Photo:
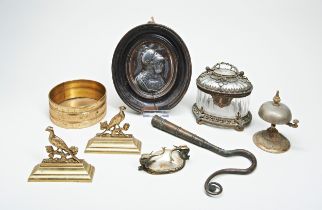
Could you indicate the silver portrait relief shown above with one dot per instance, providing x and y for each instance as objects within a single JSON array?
[{"x": 152, "y": 68}]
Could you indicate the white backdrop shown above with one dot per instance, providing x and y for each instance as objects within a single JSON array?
[{"x": 276, "y": 43}]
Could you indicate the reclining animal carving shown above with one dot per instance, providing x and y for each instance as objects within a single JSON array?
[{"x": 165, "y": 160}]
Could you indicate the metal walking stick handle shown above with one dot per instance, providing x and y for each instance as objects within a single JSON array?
[{"x": 211, "y": 188}]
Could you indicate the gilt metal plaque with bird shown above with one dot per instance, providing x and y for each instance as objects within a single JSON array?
[
  {"x": 113, "y": 140},
  {"x": 62, "y": 165}
]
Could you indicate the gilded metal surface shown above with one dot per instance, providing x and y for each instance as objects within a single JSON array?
[
  {"x": 294, "y": 124},
  {"x": 165, "y": 161},
  {"x": 211, "y": 188},
  {"x": 271, "y": 140},
  {"x": 113, "y": 140},
  {"x": 276, "y": 113},
  {"x": 62, "y": 165},
  {"x": 221, "y": 100},
  {"x": 239, "y": 123},
  {"x": 77, "y": 103},
  {"x": 62, "y": 172}
]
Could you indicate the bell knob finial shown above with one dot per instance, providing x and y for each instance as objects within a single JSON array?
[{"x": 277, "y": 98}]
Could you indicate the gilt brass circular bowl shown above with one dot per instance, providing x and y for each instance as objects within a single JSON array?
[{"x": 77, "y": 103}]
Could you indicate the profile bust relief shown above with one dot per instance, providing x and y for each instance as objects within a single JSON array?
[{"x": 150, "y": 69}]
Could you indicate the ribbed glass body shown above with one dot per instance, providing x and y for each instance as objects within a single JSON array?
[{"x": 206, "y": 101}]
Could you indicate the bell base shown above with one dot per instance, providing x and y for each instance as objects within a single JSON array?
[
  {"x": 62, "y": 172},
  {"x": 204, "y": 118},
  {"x": 271, "y": 142},
  {"x": 113, "y": 145}
]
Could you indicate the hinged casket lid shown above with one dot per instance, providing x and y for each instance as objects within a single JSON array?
[{"x": 224, "y": 79}]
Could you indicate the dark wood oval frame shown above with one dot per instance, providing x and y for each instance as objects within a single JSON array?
[{"x": 151, "y": 31}]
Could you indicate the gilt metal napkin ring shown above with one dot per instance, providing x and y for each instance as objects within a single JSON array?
[{"x": 77, "y": 103}]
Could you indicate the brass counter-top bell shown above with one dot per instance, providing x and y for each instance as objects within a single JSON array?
[{"x": 276, "y": 113}]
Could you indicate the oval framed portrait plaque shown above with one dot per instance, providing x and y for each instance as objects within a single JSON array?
[{"x": 151, "y": 68}]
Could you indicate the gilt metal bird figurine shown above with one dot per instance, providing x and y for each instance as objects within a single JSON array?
[
  {"x": 59, "y": 143},
  {"x": 115, "y": 121}
]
